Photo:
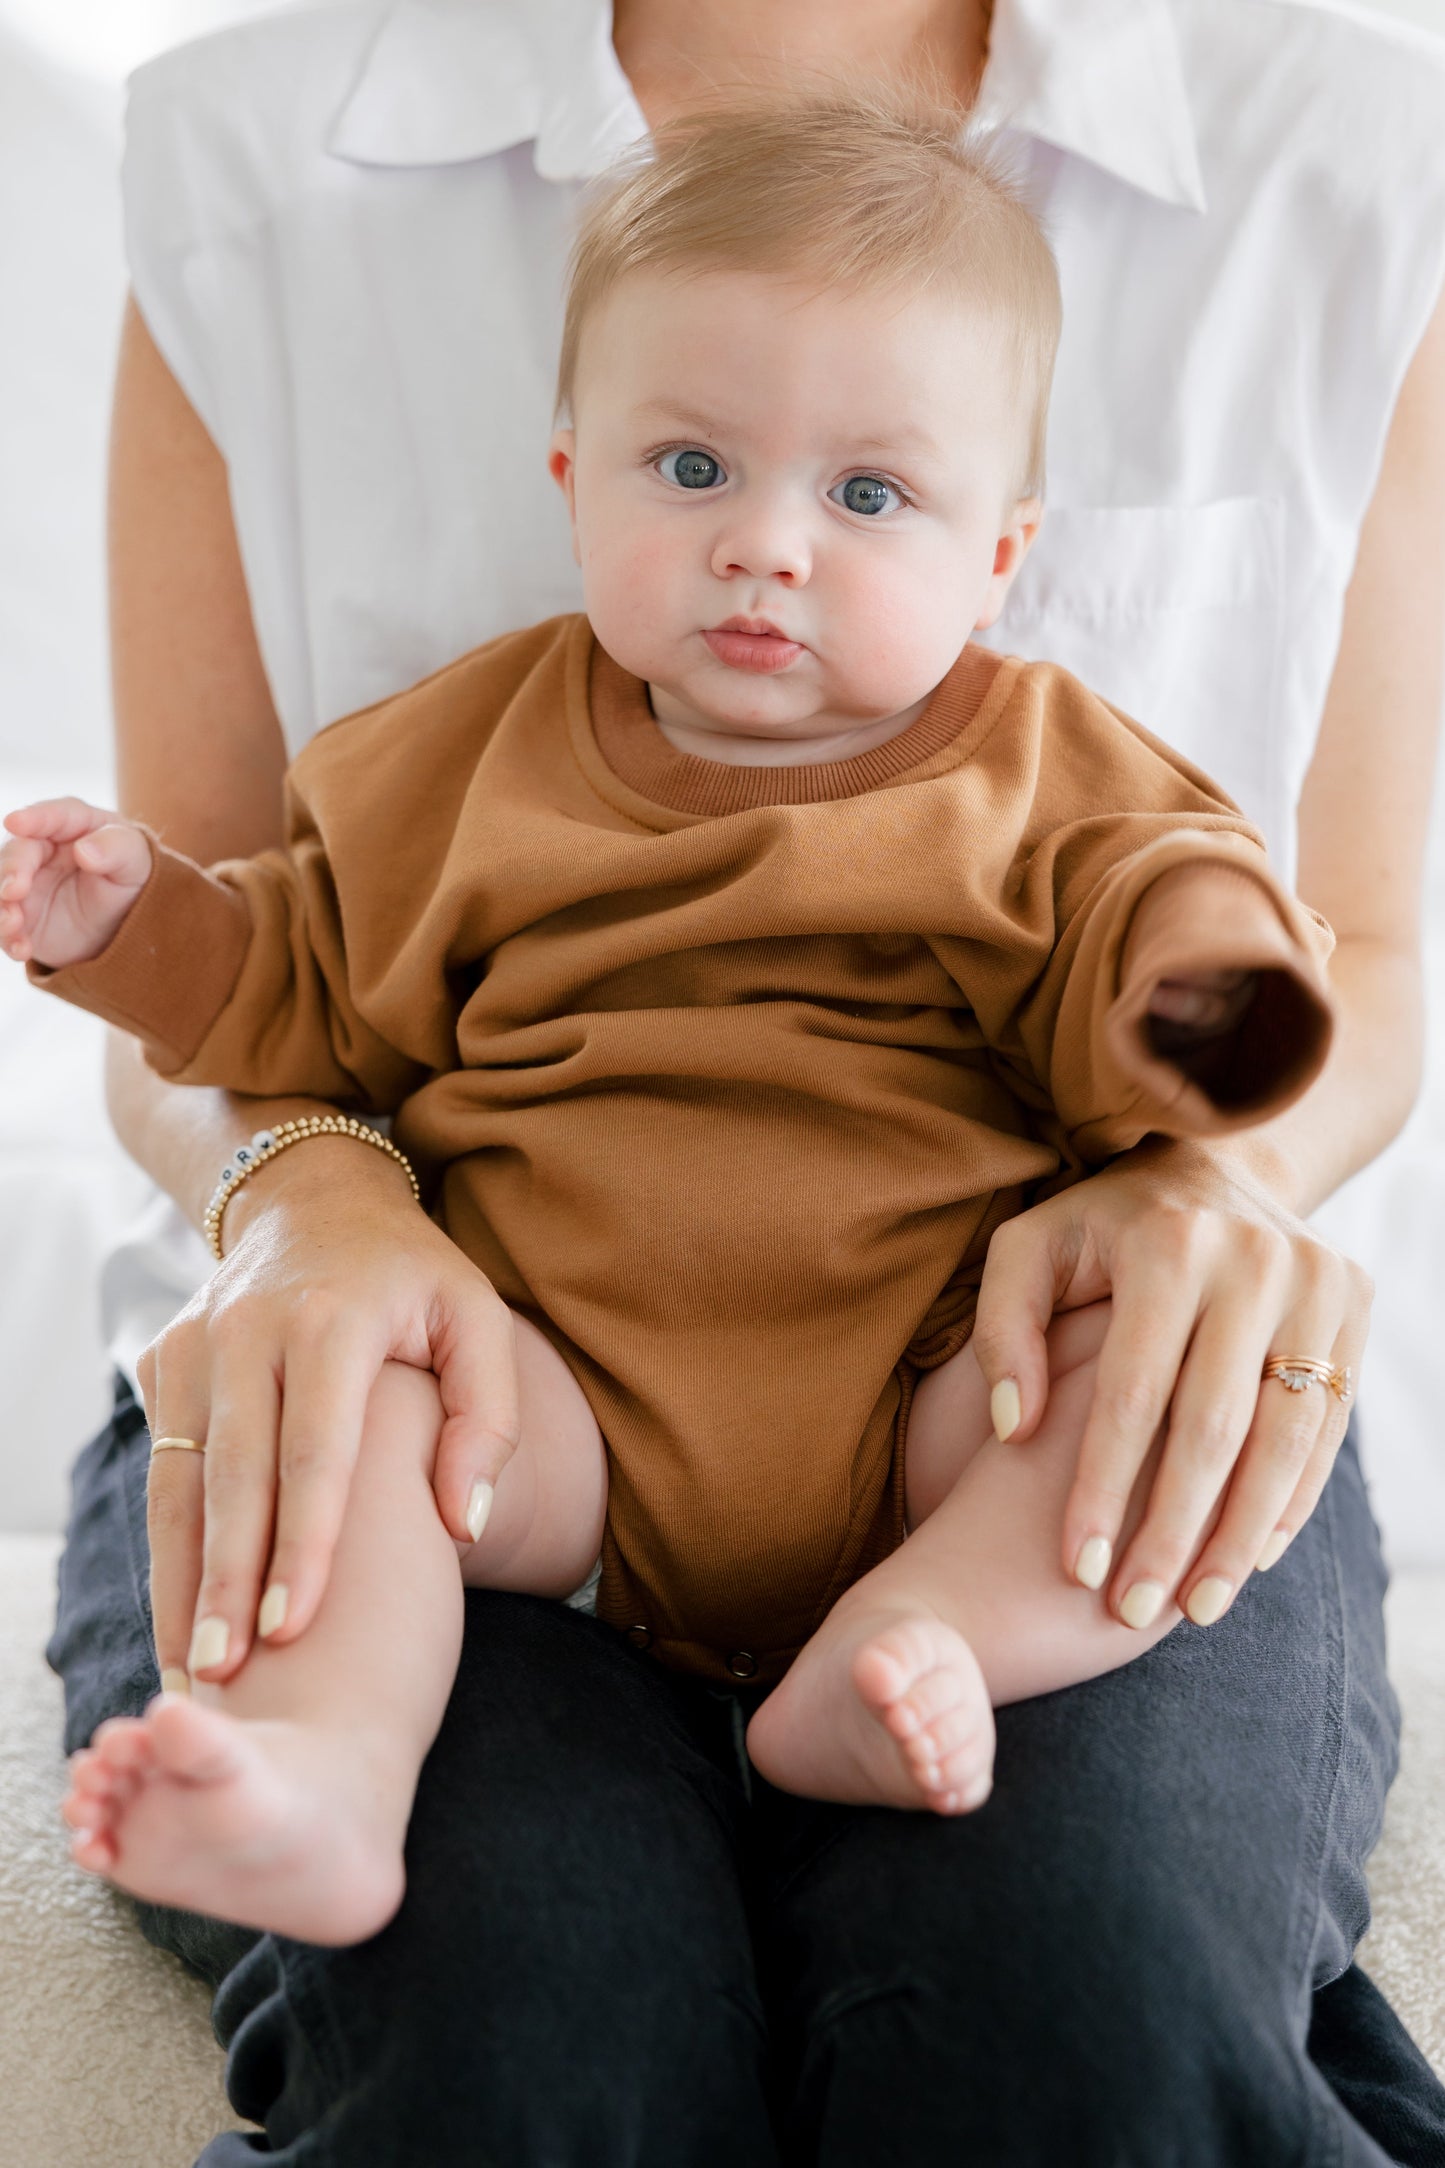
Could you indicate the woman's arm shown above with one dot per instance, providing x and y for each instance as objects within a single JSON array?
[
  {"x": 1208, "y": 1265},
  {"x": 330, "y": 1270}
]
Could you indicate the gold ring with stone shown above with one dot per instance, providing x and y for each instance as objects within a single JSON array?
[
  {"x": 177, "y": 1445},
  {"x": 1298, "y": 1372}
]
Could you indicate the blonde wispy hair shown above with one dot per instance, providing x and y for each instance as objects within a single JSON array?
[{"x": 827, "y": 189}]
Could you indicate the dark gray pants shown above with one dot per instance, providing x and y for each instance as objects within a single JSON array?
[{"x": 614, "y": 1952}]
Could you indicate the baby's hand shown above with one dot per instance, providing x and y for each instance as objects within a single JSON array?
[
  {"x": 1205, "y": 1005},
  {"x": 68, "y": 876}
]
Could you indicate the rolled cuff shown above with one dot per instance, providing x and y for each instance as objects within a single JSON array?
[
  {"x": 1114, "y": 1079},
  {"x": 171, "y": 967},
  {"x": 1221, "y": 917}
]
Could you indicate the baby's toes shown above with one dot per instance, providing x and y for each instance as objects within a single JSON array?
[
  {"x": 95, "y": 1850},
  {"x": 961, "y": 1782},
  {"x": 94, "y": 1821},
  {"x": 890, "y": 1670},
  {"x": 82, "y": 1808},
  {"x": 90, "y": 1772},
  {"x": 965, "y": 1724},
  {"x": 103, "y": 1799},
  {"x": 124, "y": 1744},
  {"x": 927, "y": 1702}
]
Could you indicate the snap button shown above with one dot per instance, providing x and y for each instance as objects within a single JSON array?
[
  {"x": 742, "y": 1665},
  {"x": 640, "y": 1636}
]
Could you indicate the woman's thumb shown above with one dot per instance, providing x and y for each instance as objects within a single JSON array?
[
  {"x": 474, "y": 1355},
  {"x": 1015, "y": 1305}
]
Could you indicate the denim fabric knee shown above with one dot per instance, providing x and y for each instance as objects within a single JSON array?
[{"x": 616, "y": 1948}]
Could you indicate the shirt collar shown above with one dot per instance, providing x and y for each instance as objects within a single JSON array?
[
  {"x": 1103, "y": 79},
  {"x": 451, "y": 80}
]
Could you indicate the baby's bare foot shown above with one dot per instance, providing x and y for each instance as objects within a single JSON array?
[
  {"x": 277, "y": 1825},
  {"x": 887, "y": 1707}
]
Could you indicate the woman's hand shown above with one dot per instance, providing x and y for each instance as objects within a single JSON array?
[
  {"x": 1210, "y": 1275},
  {"x": 332, "y": 1272}
]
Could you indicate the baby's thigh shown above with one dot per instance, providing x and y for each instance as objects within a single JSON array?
[
  {"x": 949, "y": 1421},
  {"x": 544, "y": 1530},
  {"x": 403, "y": 1420}
]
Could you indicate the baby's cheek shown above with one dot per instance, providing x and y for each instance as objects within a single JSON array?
[
  {"x": 628, "y": 586},
  {"x": 899, "y": 644}
]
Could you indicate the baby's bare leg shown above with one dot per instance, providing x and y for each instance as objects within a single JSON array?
[
  {"x": 891, "y": 1698},
  {"x": 281, "y": 1799}
]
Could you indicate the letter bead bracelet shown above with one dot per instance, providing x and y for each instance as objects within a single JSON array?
[{"x": 266, "y": 1144}]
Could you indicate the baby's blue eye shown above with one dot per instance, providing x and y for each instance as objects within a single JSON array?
[
  {"x": 691, "y": 468},
  {"x": 865, "y": 493}
]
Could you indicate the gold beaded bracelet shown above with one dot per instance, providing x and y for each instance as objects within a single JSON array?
[{"x": 265, "y": 1145}]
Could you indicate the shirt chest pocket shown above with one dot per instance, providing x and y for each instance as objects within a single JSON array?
[{"x": 1175, "y": 614}]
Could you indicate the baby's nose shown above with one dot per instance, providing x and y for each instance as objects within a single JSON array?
[{"x": 767, "y": 544}]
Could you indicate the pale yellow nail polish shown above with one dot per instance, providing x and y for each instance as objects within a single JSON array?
[
  {"x": 1091, "y": 1567},
  {"x": 273, "y": 1609},
  {"x": 1207, "y": 1600},
  {"x": 479, "y": 1510},
  {"x": 209, "y": 1644},
  {"x": 174, "y": 1681},
  {"x": 1142, "y": 1604},
  {"x": 1274, "y": 1550},
  {"x": 1006, "y": 1409}
]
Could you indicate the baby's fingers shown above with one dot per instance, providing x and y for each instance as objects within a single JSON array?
[
  {"x": 57, "y": 820},
  {"x": 1208, "y": 1000},
  {"x": 118, "y": 852},
  {"x": 20, "y": 861},
  {"x": 19, "y": 864}
]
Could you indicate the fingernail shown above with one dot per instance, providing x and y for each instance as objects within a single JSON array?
[
  {"x": 273, "y": 1609},
  {"x": 1091, "y": 1567},
  {"x": 1274, "y": 1550},
  {"x": 1207, "y": 1599},
  {"x": 175, "y": 1681},
  {"x": 209, "y": 1644},
  {"x": 479, "y": 1508},
  {"x": 1143, "y": 1604},
  {"x": 1005, "y": 1407}
]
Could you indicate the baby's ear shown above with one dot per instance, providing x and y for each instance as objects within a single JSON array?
[
  {"x": 1014, "y": 544},
  {"x": 562, "y": 466}
]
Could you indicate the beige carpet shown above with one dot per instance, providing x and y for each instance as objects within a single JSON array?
[{"x": 106, "y": 2051}]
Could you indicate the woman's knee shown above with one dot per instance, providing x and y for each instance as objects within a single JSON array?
[
  {"x": 1098, "y": 2020},
  {"x": 570, "y": 1975}
]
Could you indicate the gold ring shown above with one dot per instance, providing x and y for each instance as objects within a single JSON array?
[
  {"x": 1298, "y": 1372},
  {"x": 179, "y": 1445}
]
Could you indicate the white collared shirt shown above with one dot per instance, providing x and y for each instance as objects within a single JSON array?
[{"x": 347, "y": 227}]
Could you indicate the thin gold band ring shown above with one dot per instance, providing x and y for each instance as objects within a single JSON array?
[
  {"x": 176, "y": 1445},
  {"x": 1298, "y": 1372}
]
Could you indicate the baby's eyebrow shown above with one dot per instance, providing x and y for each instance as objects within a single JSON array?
[
  {"x": 665, "y": 410},
  {"x": 911, "y": 443}
]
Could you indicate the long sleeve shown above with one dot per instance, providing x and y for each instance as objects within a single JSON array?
[
  {"x": 1100, "y": 863},
  {"x": 1189, "y": 901},
  {"x": 337, "y": 967},
  {"x": 238, "y": 977}
]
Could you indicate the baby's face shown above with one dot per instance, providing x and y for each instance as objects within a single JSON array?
[{"x": 790, "y": 508}]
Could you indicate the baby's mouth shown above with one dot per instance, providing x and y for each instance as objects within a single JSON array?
[{"x": 752, "y": 643}]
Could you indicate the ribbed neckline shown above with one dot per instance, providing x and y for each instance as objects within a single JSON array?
[{"x": 636, "y": 751}]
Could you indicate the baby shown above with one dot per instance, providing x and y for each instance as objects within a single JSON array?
[{"x": 733, "y": 960}]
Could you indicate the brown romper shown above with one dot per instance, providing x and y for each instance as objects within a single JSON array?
[{"x": 725, "y": 1075}]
